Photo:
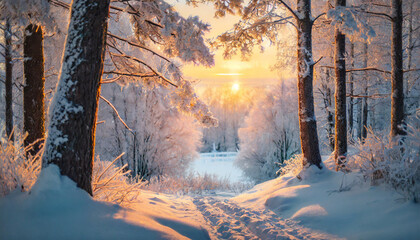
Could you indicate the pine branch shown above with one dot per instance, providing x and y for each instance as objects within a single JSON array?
[
  {"x": 320, "y": 15},
  {"x": 377, "y": 95},
  {"x": 373, "y": 69},
  {"x": 136, "y": 13},
  {"x": 290, "y": 9},
  {"x": 148, "y": 66},
  {"x": 59, "y": 3},
  {"x": 127, "y": 74},
  {"x": 67, "y": 6},
  {"x": 361, "y": 69},
  {"x": 110, "y": 80},
  {"x": 384, "y": 15},
  {"x": 380, "y": 5},
  {"x": 137, "y": 45},
  {"x": 412, "y": 70},
  {"x": 118, "y": 115},
  {"x": 318, "y": 60}
]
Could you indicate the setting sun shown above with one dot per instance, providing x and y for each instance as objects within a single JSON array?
[{"x": 235, "y": 87}]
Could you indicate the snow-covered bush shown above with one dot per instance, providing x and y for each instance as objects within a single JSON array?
[
  {"x": 114, "y": 184},
  {"x": 270, "y": 135},
  {"x": 292, "y": 166},
  {"x": 110, "y": 183},
  {"x": 383, "y": 161},
  {"x": 16, "y": 170}
]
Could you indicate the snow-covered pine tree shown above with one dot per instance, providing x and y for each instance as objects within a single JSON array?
[{"x": 71, "y": 131}]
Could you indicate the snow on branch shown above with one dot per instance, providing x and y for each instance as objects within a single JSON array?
[
  {"x": 187, "y": 101},
  {"x": 148, "y": 66},
  {"x": 222, "y": 7},
  {"x": 177, "y": 36},
  {"x": 347, "y": 20}
]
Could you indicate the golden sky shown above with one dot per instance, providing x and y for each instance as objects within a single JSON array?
[{"x": 255, "y": 72}]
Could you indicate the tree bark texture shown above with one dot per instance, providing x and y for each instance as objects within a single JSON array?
[
  {"x": 307, "y": 121},
  {"x": 9, "y": 79},
  {"x": 397, "y": 92},
  {"x": 340, "y": 150},
  {"x": 73, "y": 113},
  {"x": 33, "y": 90}
]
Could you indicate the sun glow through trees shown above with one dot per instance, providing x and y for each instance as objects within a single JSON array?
[{"x": 235, "y": 87}]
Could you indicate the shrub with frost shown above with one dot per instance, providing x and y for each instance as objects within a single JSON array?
[
  {"x": 20, "y": 172},
  {"x": 196, "y": 184},
  {"x": 114, "y": 184},
  {"x": 16, "y": 170},
  {"x": 292, "y": 166},
  {"x": 270, "y": 135},
  {"x": 398, "y": 165}
]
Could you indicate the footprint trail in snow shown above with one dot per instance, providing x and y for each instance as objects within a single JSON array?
[{"x": 227, "y": 220}]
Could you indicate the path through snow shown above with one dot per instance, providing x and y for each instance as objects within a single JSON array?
[{"x": 227, "y": 220}]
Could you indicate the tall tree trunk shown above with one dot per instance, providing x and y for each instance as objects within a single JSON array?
[
  {"x": 351, "y": 92},
  {"x": 409, "y": 45},
  {"x": 71, "y": 133},
  {"x": 397, "y": 93},
  {"x": 359, "y": 118},
  {"x": 307, "y": 121},
  {"x": 327, "y": 97},
  {"x": 340, "y": 151},
  {"x": 330, "y": 120},
  {"x": 9, "y": 79},
  {"x": 415, "y": 102},
  {"x": 33, "y": 91},
  {"x": 372, "y": 122},
  {"x": 365, "y": 93}
]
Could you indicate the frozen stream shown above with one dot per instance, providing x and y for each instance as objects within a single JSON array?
[{"x": 218, "y": 163}]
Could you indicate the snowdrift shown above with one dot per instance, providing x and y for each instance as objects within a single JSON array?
[
  {"x": 56, "y": 209},
  {"x": 338, "y": 203}
]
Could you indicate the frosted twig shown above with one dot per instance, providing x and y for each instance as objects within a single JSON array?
[{"x": 118, "y": 115}]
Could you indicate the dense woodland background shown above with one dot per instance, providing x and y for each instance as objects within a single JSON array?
[{"x": 357, "y": 80}]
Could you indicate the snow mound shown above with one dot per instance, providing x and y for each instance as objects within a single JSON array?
[
  {"x": 309, "y": 212},
  {"x": 56, "y": 209},
  {"x": 338, "y": 203},
  {"x": 51, "y": 181},
  {"x": 313, "y": 173}
]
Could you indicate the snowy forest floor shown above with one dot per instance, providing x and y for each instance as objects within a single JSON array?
[{"x": 322, "y": 204}]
